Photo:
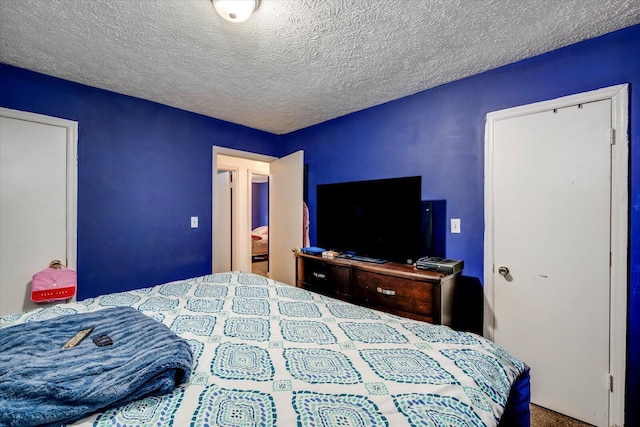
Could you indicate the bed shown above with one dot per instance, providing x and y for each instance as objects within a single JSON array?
[
  {"x": 260, "y": 241},
  {"x": 266, "y": 353}
]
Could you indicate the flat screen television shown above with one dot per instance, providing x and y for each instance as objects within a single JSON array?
[{"x": 377, "y": 218}]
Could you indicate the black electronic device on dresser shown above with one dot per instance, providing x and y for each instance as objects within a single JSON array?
[
  {"x": 376, "y": 230},
  {"x": 443, "y": 265},
  {"x": 380, "y": 219}
]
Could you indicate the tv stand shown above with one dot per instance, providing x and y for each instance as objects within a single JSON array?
[{"x": 399, "y": 289}]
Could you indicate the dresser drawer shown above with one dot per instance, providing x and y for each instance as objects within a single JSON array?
[
  {"x": 393, "y": 293},
  {"x": 323, "y": 277}
]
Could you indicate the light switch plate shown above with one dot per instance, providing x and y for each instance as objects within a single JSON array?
[
  {"x": 194, "y": 222},
  {"x": 455, "y": 225}
]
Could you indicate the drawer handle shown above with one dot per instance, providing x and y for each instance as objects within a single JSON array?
[
  {"x": 319, "y": 275},
  {"x": 386, "y": 291}
]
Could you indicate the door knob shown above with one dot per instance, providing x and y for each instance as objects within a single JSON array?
[{"x": 503, "y": 270}]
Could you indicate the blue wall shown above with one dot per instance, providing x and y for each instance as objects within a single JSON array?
[
  {"x": 259, "y": 204},
  {"x": 439, "y": 134},
  {"x": 143, "y": 170}
]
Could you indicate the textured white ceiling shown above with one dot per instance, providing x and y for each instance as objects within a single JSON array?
[{"x": 294, "y": 63}]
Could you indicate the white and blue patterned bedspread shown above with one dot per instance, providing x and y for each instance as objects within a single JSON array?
[{"x": 267, "y": 354}]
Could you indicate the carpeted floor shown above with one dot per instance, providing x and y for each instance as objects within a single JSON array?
[
  {"x": 542, "y": 417},
  {"x": 260, "y": 268}
]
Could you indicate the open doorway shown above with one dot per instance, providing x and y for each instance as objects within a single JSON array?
[
  {"x": 240, "y": 221},
  {"x": 285, "y": 215},
  {"x": 260, "y": 224}
]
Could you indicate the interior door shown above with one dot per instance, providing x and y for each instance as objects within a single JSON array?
[
  {"x": 551, "y": 248},
  {"x": 37, "y": 202},
  {"x": 285, "y": 215},
  {"x": 223, "y": 214}
]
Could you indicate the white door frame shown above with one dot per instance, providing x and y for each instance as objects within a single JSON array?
[
  {"x": 619, "y": 228},
  {"x": 233, "y": 153},
  {"x": 72, "y": 173}
]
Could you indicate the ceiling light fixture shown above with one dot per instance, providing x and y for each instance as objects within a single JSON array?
[{"x": 235, "y": 10}]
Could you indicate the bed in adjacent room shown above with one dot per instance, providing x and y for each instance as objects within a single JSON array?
[
  {"x": 265, "y": 353},
  {"x": 260, "y": 241}
]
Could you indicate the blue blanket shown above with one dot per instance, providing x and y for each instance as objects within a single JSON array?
[{"x": 42, "y": 383}]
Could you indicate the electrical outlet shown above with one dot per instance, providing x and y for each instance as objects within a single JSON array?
[
  {"x": 194, "y": 222},
  {"x": 455, "y": 225}
]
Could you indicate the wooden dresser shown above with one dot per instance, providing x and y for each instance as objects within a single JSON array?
[{"x": 400, "y": 289}]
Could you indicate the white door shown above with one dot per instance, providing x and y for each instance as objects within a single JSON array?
[
  {"x": 37, "y": 201},
  {"x": 222, "y": 227},
  {"x": 551, "y": 230},
  {"x": 285, "y": 215}
]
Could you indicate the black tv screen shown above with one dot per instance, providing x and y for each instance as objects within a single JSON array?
[{"x": 377, "y": 218}]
